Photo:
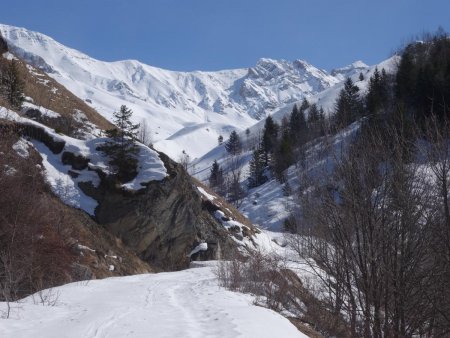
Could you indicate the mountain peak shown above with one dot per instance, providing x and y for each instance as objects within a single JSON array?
[{"x": 349, "y": 70}]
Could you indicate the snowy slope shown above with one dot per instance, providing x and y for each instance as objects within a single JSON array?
[
  {"x": 186, "y": 303},
  {"x": 179, "y": 106},
  {"x": 325, "y": 99},
  {"x": 267, "y": 205},
  {"x": 64, "y": 180}
]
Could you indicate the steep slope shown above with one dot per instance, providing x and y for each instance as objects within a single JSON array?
[
  {"x": 162, "y": 215},
  {"x": 267, "y": 205},
  {"x": 177, "y": 104},
  {"x": 45, "y": 242}
]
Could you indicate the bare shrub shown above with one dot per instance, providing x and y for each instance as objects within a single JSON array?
[
  {"x": 48, "y": 297},
  {"x": 33, "y": 252},
  {"x": 369, "y": 233},
  {"x": 260, "y": 274},
  {"x": 267, "y": 277}
]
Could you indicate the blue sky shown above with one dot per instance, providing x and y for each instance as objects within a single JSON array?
[{"x": 222, "y": 34}]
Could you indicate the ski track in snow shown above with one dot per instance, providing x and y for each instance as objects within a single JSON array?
[{"x": 183, "y": 304}]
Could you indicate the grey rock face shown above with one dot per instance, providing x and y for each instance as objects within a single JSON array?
[{"x": 163, "y": 222}]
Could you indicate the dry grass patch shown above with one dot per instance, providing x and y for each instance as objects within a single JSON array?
[{"x": 47, "y": 92}]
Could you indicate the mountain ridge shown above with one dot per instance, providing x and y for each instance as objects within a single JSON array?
[{"x": 217, "y": 102}]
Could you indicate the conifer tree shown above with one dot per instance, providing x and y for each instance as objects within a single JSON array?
[
  {"x": 377, "y": 95},
  {"x": 220, "y": 139},
  {"x": 314, "y": 114},
  {"x": 257, "y": 166},
  {"x": 234, "y": 145},
  {"x": 216, "y": 179},
  {"x": 305, "y": 105},
  {"x": 12, "y": 85},
  {"x": 284, "y": 155},
  {"x": 269, "y": 140},
  {"x": 348, "y": 105},
  {"x": 297, "y": 126},
  {"x": 121, "y": 148}
]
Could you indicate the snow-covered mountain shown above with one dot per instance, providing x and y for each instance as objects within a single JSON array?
[
  {"x": 185, "y": 110},
  {"x": 350, "y": 70},
  {"x": 267, "y": 205}
]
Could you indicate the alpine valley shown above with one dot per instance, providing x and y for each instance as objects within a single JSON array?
[{"x": 280, "y": 200}]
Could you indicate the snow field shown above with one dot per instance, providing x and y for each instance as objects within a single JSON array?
[{"x": 186, "y": 303}]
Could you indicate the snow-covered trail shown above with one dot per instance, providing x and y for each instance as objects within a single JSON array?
[{"x": 184, "y": 304}]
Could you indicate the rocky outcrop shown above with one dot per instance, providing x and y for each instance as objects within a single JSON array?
[
  {"x": 35, "y": 132},
  {"x": 76, "y": 161},
  {"x": 163, "y": 222}
]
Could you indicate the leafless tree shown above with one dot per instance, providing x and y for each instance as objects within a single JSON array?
[
  {"x": 235, "y": 193},
  {"x": 365, "y": 234},
  {"x": 145, "y": 135},
  {"x": 437, "y": 154},
  {"x": 33, "y": 254},
  {"x": 184, "y": 159}
]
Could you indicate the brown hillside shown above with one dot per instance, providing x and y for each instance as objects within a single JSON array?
[
  {"x": 43, "y": 242},
  {"x": 48, "y": 93}
]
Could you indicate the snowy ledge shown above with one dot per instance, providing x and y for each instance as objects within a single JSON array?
[
  {"x": 64, "y": 179},
  {"x": 150, "y": 168}
]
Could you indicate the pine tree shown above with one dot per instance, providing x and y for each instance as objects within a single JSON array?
[
  {"x": 297, "y": 126},
  {"x": 314, "y": 114},
  {"x": 121, "y": 148},
  {"x": 284, "y": 155},
  {"x": 322, "y": 122},
  {"x": 220, "y": 139},
  {"x": 257, "y": 167},
  {"x": 305, "y": 105},
  {"x": 216, "y": 179},
  {"x": 377, "y": 94},
  {"x": 234, "y": 145},
  {"x": 269, "y": 140},
  {"x": 12, "y": 85},
  {"x": 423, "y": 76},
  {"x": 348, "y": 105},
  {"x": 405, "y": 77}
]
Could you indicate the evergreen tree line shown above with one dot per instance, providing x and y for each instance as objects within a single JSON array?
[
  {"x": 281, "y": 144},
  {"x": 276, "y": 149},
  {"x": 423, "y": 78},
  {"x": 417, "y": 91},
  {"x": 379, "y": 224}
]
